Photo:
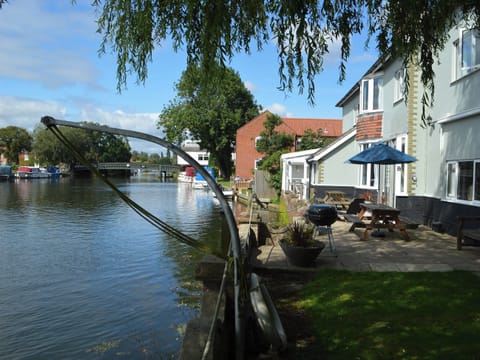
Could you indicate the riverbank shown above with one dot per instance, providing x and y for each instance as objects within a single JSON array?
[{"x": 427, "y": 251}]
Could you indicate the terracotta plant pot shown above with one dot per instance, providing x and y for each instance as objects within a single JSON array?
[{"x": 302, "y": 256}]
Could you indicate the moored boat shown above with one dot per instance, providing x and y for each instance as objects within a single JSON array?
[
  {"x": 188, "y": 175},
  {"x": 199, "y": 182},
  {"x": 32, "y": 172},
  {"x": 227, "y": 194},
  {"x": 54, "y": 171},
  {"x": 6, "y": 172}
]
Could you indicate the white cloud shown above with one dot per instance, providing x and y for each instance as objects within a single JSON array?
[
  {"x": 250, "y": 86},
  {"x": 47, "y": 47},
  {"x": 141, "y": 122},
  {"x": 26, "y": 113},
  {"x": 279, "y": 110}
]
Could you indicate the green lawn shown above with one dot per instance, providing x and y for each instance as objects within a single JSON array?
[{"x": 381, "y": 315}]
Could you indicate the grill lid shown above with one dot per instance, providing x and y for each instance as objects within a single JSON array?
[{"x": 322, "y": 214}]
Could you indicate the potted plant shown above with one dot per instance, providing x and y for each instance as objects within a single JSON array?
[{"x": 299, "y": 246}]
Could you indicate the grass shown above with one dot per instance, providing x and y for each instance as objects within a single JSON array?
[
  {"x": 226, "y": 183},
  {"x": 381, "y": 315}
]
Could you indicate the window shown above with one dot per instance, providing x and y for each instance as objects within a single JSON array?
[
  {"x": 367, "y": 171},
  {"x": 399, "y": 86},
  {"x": 466, "y": 53},
  {"x": 463, "y": 180},
  {"x": 371, "y": 94},
  {"x": 203, "y": 157},
  {"x": 257, "y": 139}
]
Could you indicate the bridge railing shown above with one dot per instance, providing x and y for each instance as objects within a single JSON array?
[{"x": 138, "y": 166}]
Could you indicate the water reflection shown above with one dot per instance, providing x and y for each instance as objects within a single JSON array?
[{"x": 83, "y": 276}]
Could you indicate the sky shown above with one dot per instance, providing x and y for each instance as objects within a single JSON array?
[{"x": 49, "y": 65}]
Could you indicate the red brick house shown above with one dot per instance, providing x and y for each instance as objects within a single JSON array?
[{"x": 247, "y": 155}]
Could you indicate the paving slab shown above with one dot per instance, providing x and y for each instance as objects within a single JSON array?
[{"x": 425, "y": 251}]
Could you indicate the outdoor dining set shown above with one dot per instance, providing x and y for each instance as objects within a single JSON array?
[{"x": 369, "y": 215}]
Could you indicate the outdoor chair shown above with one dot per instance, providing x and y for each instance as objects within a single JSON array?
[{"x": 354, "y": 207}]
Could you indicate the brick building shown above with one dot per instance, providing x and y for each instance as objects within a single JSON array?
[{"x": 247, "y": 155}]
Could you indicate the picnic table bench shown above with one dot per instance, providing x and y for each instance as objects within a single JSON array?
[
  {"x": 336, "y": 198},
  {"x": 409, "y": 223},
  {"x": 469, "y": 233},
  {"x": 355, "y": 220},
  {"x": 381, "y": 217}
]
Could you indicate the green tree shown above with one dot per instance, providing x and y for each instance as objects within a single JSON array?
[
  {"x": 273, "y": 144},
  {"x": 312, "y": 140},
  {"x": 154, "y": 159},
  {"x": 112, "y": 148},
  {"x": 210, "y": 112},
  {"x": 303, "y": 32},
  {"x": 93, "y": 145},
  {"x": 140, "y": 156},
  {"x": 15, "y": 140}
]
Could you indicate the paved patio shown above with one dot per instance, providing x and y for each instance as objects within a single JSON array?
[{"x": 426, "y": 251}]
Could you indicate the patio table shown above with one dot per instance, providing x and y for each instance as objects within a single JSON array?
[
  {"x": 337, "y": 199},
  {"x": 380, "y": 216}
]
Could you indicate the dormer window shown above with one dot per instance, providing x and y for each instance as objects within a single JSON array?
[{"x": 371, "y": 94}]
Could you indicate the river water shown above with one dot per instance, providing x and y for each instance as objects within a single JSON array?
[{"x": 82, "y": 276}]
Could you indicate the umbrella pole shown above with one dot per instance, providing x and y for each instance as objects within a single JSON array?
[{"x": 378, "y": 232}]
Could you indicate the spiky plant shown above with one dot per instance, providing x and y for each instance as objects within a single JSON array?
[{"x": 300, "y": 234}]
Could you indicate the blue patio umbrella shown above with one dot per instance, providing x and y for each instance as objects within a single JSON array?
[{"x": 381, "y": 153}]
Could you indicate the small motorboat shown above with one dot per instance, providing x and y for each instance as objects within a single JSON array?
[
  {"x": 32, "y": 172},
  {"x": 188, "y": 175},
  {"x": 199, "y": 182}
]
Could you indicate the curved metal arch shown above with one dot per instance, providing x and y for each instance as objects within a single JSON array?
[{"x": 232, "y": 226}]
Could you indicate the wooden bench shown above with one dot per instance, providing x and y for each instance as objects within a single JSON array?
[
  {"x": 472, "y": 234},
  {"x": 409, "y": 223},
  {"x": 337, "y": 199},
  {"x": 356, "y": 222}
]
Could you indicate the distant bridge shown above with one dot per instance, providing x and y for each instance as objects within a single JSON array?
[{"x": 168, "y": 170}]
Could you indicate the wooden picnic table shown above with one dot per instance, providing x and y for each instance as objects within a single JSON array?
[
  {"x": 377, "y": 216},
  {"x": 337, "y": 198}
]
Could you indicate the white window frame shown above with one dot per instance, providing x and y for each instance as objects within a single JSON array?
[
  {"x": 368, "y": 94},
  {"x": 399, "y": 85},
  {"x": 461, "y": 185},
  {"x": 368, "y": 173},
  {"x": 460, "y": 45},
  {"x": 203, "y": 156}
]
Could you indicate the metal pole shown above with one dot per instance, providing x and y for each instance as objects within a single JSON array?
[{"x": 232, "y": 226}]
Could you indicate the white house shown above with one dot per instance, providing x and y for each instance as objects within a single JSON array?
[
  {"x": 295, "y": 172},
  {"x": 445, "y": 180},
  {"x": 192, "y": 148}
]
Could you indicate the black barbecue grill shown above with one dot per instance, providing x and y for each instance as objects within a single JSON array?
[{"x": 323, "y": 216}]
